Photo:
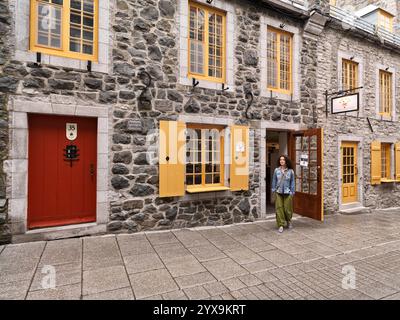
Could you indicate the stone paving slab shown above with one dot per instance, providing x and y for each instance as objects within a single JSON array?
[
  {"x": 69, "y": 292},
  {"x": 118, "y": 294},
  {"x": 175, "y": 295},
  {"x": 143, "y": 262},
  {"x": 243, "y": 255},
  {"x": 183, "y": 266},
  {"x": 101, "y": 252},
  {"x": 196, "y": 293},
  {"x": 207, "y": 253},
  {"x": 224, "y": 268},
  {"x": 279, "y": 257},
  {"x": 14, "y": 290},
  {"x": 152, "y": 283},
  {"x": 193, "y": 280},
  {"x": 104, "y": 279},
  {"x": 65, "y": 274}
]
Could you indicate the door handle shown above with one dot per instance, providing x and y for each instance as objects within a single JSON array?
[{"x": 91, "y": 170}]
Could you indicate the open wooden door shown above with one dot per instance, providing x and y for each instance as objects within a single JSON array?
[{"x": 306, "y": 152}]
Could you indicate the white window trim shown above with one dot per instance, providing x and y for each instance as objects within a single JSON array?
[
  {"x": 182, "y": 23},
  {"x": 22, "y": 53},
  {"x": 358, "y": 59},
  {"x": 392, "y": 70},
  {"x": 266, "y": 22}
]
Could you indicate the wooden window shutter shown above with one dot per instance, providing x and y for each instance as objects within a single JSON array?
[
  {"x": 397, "y": 161},
  {"x": 376, "y": 172},
  {"x": 172, "y": 146},
  {"x": 239, "y": 173}
]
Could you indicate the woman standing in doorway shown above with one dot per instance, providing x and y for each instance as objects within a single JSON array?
[{"x": 283, "y": 185}]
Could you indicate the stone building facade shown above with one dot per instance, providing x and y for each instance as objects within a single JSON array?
[
  {"x": 142, "y": 38},
  {"x": 371, "y": 54}
]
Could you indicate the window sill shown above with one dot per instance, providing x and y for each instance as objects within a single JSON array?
[
  {"x": 389, "y": 181},
  {"x": 206, "y": 189}
]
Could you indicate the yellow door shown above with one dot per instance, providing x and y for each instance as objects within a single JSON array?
[{"x": 349, "y": 172}]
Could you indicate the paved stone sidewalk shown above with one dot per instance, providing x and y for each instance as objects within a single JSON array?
[{"x": 246, "y": 261}]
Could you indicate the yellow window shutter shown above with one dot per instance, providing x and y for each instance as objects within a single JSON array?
[
  {"x": 172, "y": 153},
  {"x": 376, "y": 170},
  {"x": 397, "y": 159},
  {"x": 239, "y": 173}
]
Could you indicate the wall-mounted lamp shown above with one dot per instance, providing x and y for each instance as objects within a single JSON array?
[
  {"x": 282, "y": 25},
  {"x": 387, "y": 69},
  {"x": 209, "y": 1},
  {"x": 352, "y": 58}
]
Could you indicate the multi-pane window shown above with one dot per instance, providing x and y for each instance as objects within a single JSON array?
[
  {"x": 385, "y": 160},
  {"x": 279, "y": 60},
  {"x": 385, "y": 93},
  {"x": 204, "y": 156},
  {"x": 349, "y": 74},
  {"x": 206, "y": 43},
  {"x": 385, "y": 20},
  {"x": 65, "y": 27},
  {"x": 348, "y": 165}
]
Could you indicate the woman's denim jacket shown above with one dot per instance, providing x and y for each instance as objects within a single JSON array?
[{"x": 287, "y": 186}]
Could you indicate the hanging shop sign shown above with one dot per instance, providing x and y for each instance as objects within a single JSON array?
[{"x": 348, "y": 103}]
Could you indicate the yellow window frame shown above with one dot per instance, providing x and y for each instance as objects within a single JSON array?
[
  {"x": 385, "y": 93},
  {"x": 278, "y": 89},
  {"x": 386, "y": 161},
  {"x": 204, "y": 187},
  {"x": 65, "y": 31},
  {"x": 204, "y": 76},
  {"x": 385, "y": 20},
  {"x": 349, "y": 74}
]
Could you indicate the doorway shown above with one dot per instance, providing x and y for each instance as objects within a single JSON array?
[
  {"x": 276, "y": 145},
  {"x": 61, "y": 170},
  {"x": 349, "y": 158}
]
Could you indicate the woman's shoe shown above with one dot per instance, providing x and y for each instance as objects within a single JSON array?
[
  {"x": 289, "y": 225},
  {"x": 280, "y": 230}
]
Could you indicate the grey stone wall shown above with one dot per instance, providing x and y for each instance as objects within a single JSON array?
[
  {"x": 334, "y": 39},
  {"x": 7, "y": 86}
]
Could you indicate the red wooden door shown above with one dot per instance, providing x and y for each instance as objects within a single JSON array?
[
  {"x": 308, "y": 200},
  {"x": 60, "y": 193}
]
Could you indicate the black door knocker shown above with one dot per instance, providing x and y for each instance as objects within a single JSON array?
[{"x": 71, "y": 153}]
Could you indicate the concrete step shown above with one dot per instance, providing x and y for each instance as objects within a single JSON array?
[{"x": 355, "y": 210}]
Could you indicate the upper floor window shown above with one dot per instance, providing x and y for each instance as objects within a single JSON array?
[
  {"x": 279, "y": 55},
  {"x": 349, "y": 74},
  {"x": 65, "y": 28},
  {"x": 206, "y": 43},
  {"x": 385, "y": 93},
  {"x": 385, "y": 20}
]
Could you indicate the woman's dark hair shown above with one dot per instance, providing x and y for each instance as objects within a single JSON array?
[{"x": 287, "y": 160}]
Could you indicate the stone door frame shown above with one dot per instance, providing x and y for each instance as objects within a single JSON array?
[
  {"x": 16, "y": 166},
  {"x": 260, "y": 128}
]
